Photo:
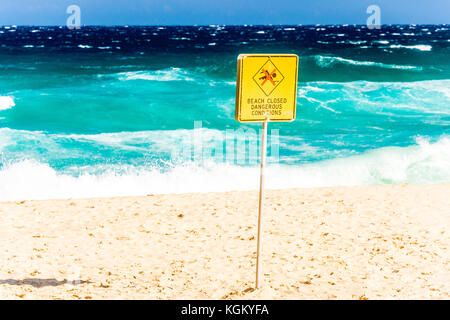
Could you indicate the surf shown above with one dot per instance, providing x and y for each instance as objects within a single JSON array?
[
  {"x": 327, "y": 61},
  {"x": 171, "y": 74},
  {"x": 6, "y": 102},
  {"x": 422, "y": 163}
]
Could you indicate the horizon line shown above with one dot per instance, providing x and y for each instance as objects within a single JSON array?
[{"x": 222, "y": 25}]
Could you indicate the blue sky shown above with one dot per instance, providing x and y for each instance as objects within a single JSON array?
[{"x": 188, "y": 12}]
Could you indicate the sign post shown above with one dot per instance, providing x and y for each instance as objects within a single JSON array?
[
  {"x": 261, "y": 201},
  {"x": 266, "y": 90}
]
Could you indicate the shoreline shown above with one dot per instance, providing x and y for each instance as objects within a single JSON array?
[
  {"x": 364, "y": 242},
  {"x": 21, "y": 201}
]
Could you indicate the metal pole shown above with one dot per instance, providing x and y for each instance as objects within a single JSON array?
[{"x": 261, "y": 202}]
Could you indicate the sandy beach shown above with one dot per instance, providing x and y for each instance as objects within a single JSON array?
[{"x": 377, "y": 242}]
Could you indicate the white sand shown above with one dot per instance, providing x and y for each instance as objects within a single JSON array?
[{"x": 326, "y": 243}]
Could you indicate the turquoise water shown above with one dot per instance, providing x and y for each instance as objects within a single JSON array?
[{"x": 116, "y": 111}]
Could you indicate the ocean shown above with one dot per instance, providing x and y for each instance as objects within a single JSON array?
[{"x": 113, "y": 111}]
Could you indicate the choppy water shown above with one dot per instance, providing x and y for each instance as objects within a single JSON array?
[{"x": 99, "y": 111}]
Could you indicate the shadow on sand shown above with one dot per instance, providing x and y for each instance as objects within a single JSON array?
[{"x": 39, "y": 283}]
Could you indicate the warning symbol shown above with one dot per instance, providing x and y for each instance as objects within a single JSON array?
[{"x": 268, "y": 77}]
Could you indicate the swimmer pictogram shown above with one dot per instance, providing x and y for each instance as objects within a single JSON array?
[{"x": 268, "y": 77}]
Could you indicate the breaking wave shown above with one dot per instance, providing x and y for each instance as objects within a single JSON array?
[
  {"x": 327, "y": 61},
  {"x": 6, "y": 102},
  {"x": 420, "y": 47},
  {"x": 423, "y": 162},
  {"x": 171, "y": 74}
]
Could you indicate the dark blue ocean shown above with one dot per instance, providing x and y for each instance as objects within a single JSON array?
[{"x": 104, "y": 111}]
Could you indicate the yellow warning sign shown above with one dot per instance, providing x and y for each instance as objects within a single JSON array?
[{"x": 266, "y": 87}]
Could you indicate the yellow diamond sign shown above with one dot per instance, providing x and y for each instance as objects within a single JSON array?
[
  {"x": 268, "y": 77},
  {"x": 266, "y": 87}
]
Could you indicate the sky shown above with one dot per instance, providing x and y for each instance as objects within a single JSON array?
[{"x": 229, "y": 12}]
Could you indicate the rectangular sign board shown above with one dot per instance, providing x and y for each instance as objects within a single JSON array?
[{"x": 266, "y": 87}]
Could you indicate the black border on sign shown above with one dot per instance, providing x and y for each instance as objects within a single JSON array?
[{"x": 239, "y": 86}]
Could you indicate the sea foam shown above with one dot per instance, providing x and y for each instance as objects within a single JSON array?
[
  {"x": 420, "y": 47},
  {"x": 423, "y": 162},
  {"x": 6, "y": 102},
  {"x": 327, "y": 61},
  {"x": 171, "y": 74}
]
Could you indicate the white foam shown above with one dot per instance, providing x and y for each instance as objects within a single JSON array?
[
  {"x": 326, "y": 61},
  {"x": 420, "y": 47},
  {"x": 6, "y": 102},
  {"x": 172, "y": 74},
  {"x": 357, "y": 42},
  {"x": 424, "y": 97},
  {"x": 424, "y": 162}
]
